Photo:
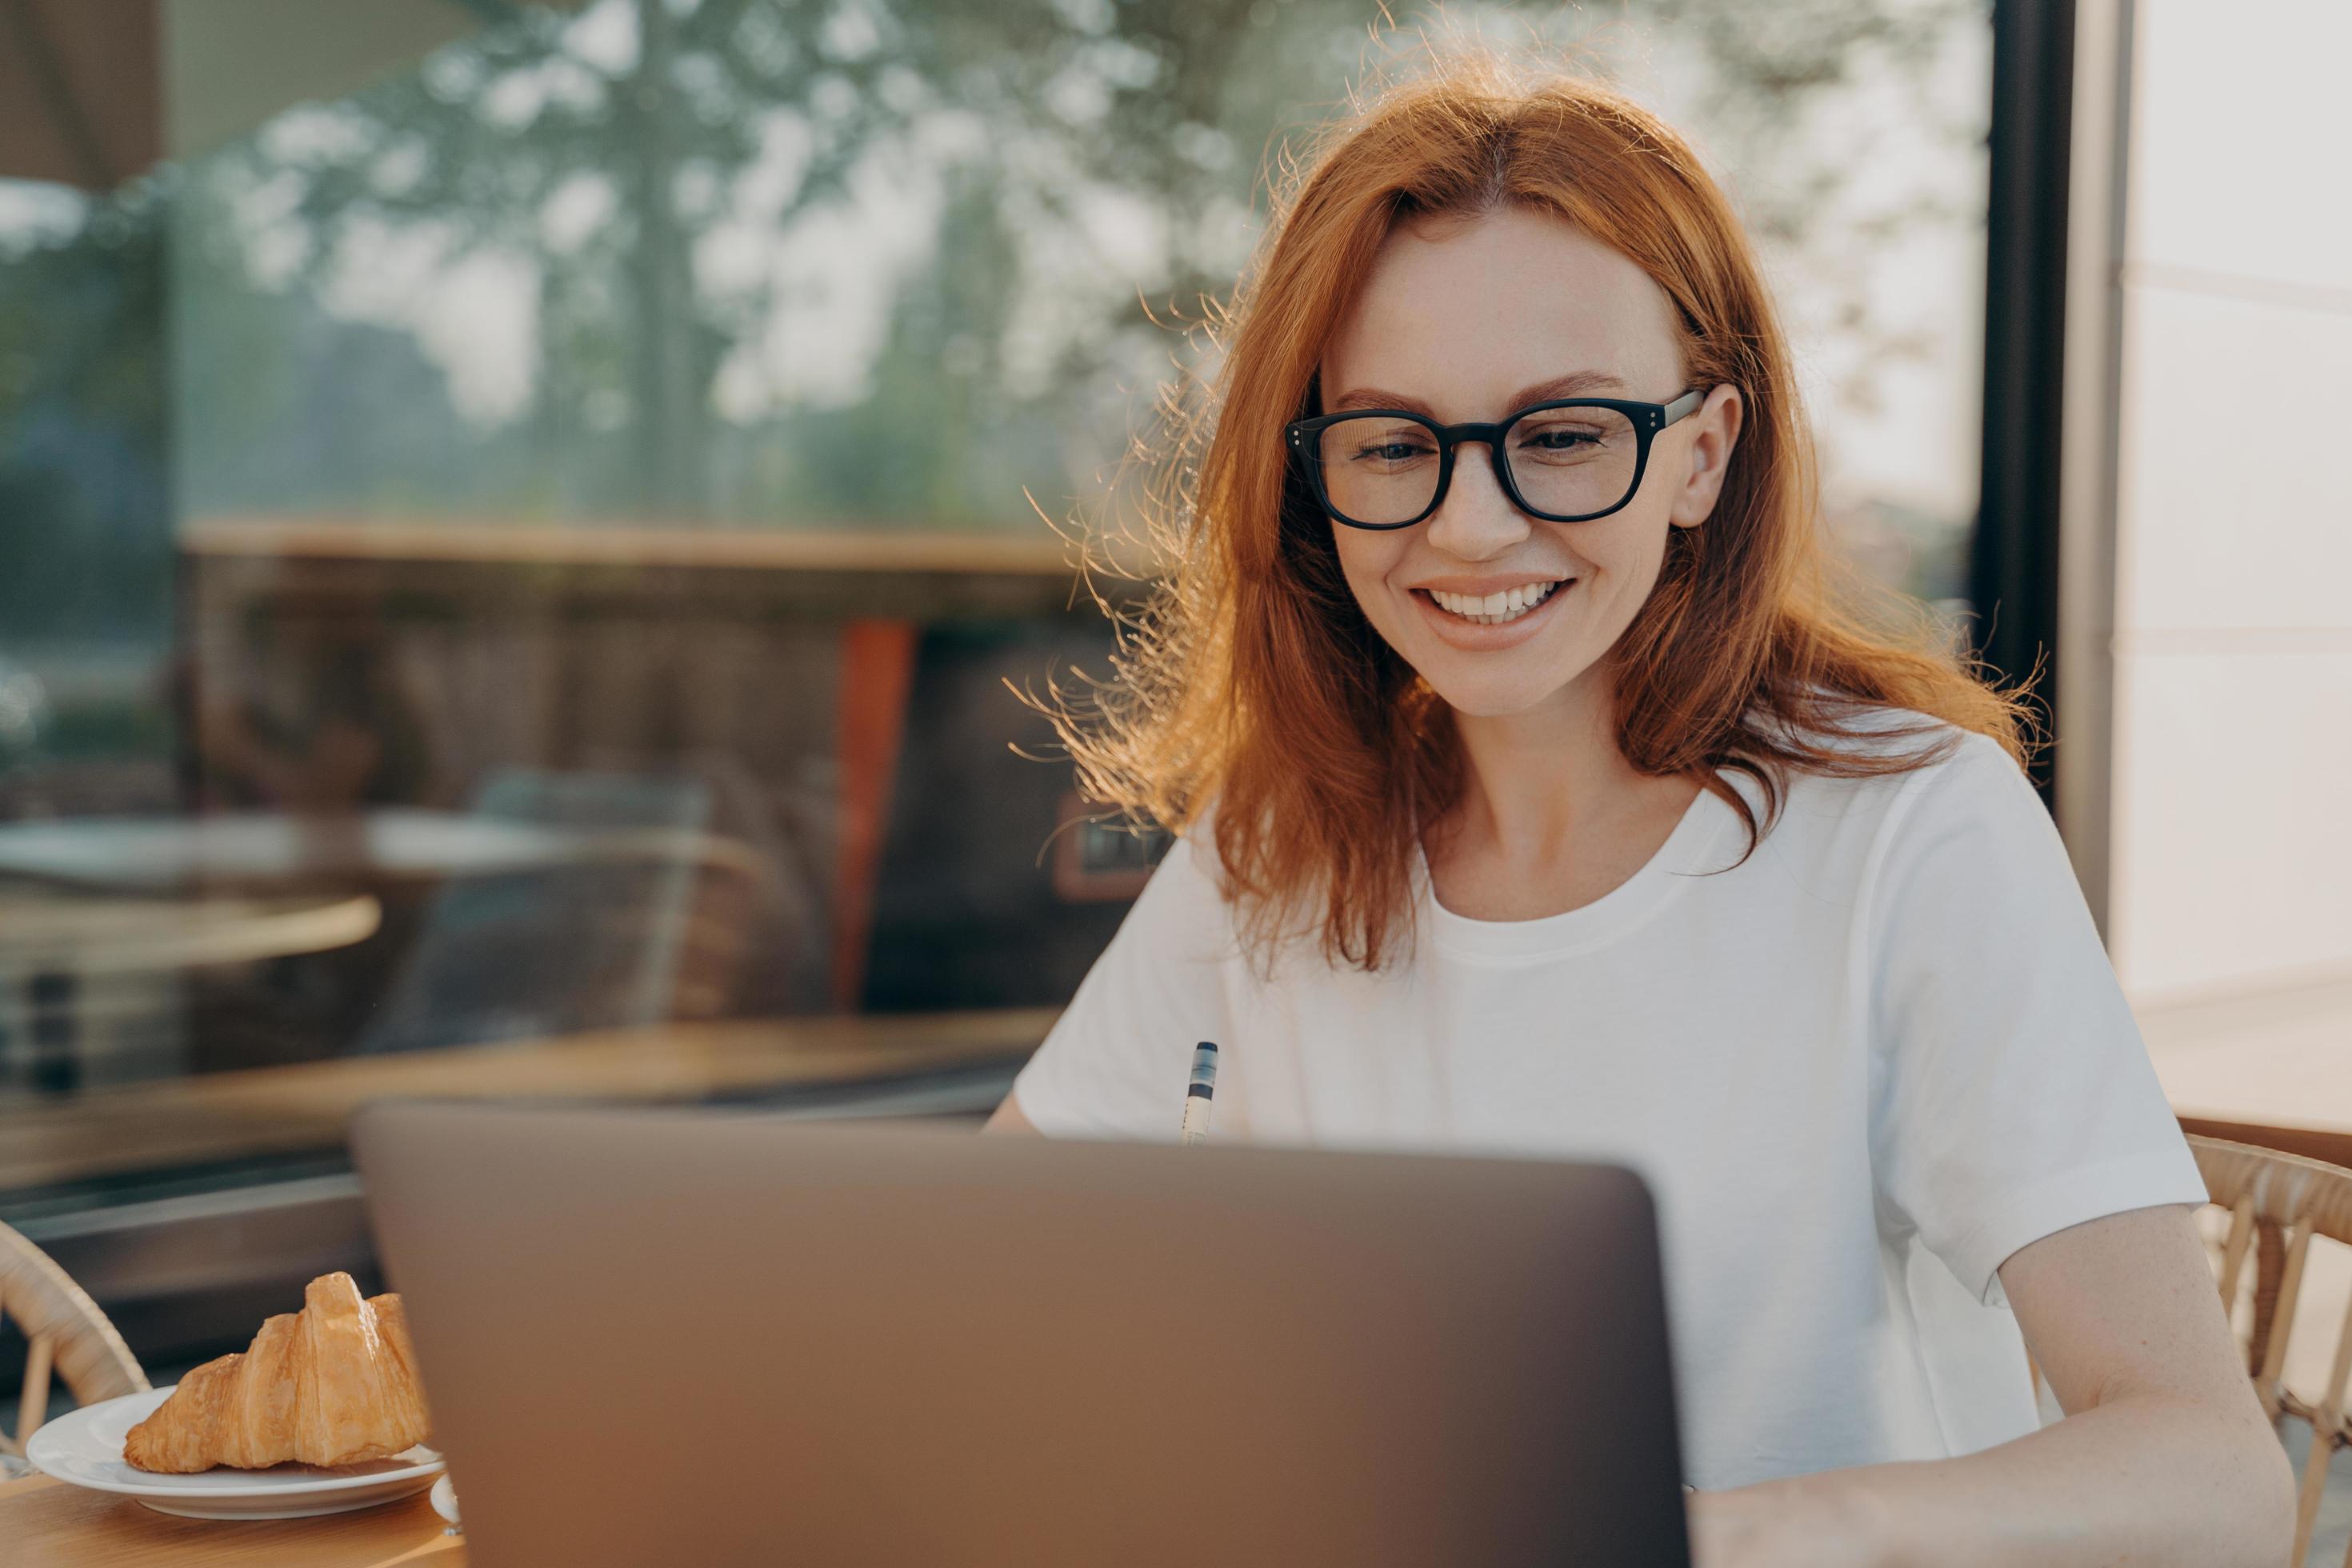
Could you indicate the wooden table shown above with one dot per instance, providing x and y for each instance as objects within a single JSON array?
[{"x": 46, "y": 1523}]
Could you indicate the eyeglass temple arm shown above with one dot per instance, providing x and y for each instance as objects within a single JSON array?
[{"x": 1681, "y": 408}]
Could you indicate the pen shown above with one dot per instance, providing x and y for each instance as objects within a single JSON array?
[{"x": 1199, "y": 1091}]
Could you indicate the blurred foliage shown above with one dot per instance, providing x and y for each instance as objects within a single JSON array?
[
  {"x": 85, "y": 532},
  {"x": 1083, "y": 167},
  {"x": 658, "y": 206}
]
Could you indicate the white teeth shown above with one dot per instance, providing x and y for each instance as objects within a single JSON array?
[{"x": 1495, "y": 609}]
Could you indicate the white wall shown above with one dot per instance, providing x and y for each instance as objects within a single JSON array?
[{"x": 2231, "y": 806}]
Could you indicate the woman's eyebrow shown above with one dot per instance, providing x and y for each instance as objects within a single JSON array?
[
  {"x": 1575, "y": 384},
  {"x": 1374, "y": 397}
]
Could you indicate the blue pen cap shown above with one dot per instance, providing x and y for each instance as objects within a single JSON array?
[{"x": 1205, "y": 1071}]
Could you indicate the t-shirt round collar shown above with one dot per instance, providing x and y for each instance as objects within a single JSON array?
[{"x": 1687, "y": 853}]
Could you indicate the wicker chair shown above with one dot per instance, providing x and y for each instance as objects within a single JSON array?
[
  {"x": 2277, "y": 1204},
  {"x": 66, "y": 1334}
]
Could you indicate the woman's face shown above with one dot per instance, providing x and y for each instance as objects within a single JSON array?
[{"x": 1469, "y": 322}]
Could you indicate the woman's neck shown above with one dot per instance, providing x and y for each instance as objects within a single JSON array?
[
  {"x": 1530, "y": 779},
  {"x": 1551, "y": 816}
]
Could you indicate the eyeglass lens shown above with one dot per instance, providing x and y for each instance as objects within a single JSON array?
[{"x": 1565, "y": 461}]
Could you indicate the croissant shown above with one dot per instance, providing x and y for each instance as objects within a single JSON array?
[{"x": 334, "y": 1383}]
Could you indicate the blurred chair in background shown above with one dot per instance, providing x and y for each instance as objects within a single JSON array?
[{"x": 641, "y": 929}]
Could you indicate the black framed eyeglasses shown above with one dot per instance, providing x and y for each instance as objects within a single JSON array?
[{"x": 1569, "y": 460}]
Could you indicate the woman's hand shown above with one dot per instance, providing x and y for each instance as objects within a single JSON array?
[{"x": 1817, "y": 1521}]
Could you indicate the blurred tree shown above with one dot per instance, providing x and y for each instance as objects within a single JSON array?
[
  {"x": 85, "y": 528},
  {"x": 663, "y": 113},
  {"x": 1077, "y": 169}
]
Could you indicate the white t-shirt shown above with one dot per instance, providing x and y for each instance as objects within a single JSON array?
[{"x": 1858, "y": 1072}]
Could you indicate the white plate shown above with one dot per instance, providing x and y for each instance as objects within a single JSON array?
[{"x": 84, "y": 1448}]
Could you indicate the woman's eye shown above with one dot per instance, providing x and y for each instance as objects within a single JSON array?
[
  {"x": 1392, "y": 452},
  {"x": 1558, "y": 439}
]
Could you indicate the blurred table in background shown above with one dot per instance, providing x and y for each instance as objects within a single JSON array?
[
  {"x": 52, "y": 940},
  {"x": 467, "y": 902},
  {"x": 256, "y": 851},
  {"x": 214, "y": 1117},
  {"x": 47, "y": 930},
  {"x": 2274, "y": 1069}
]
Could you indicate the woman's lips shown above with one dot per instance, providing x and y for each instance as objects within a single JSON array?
[{"x": 1479, "y": 637}]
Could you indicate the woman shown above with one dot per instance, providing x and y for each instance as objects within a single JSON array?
[{"x": 1532, "y": 800}]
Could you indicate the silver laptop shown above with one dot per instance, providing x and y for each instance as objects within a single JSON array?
[{"x": 699, "y": 1338}]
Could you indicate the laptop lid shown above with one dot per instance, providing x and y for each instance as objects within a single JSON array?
[{"x": 690, "y": 1337}]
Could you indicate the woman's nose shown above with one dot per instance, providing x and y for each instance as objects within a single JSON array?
[{"x": 1476, "y": 521}]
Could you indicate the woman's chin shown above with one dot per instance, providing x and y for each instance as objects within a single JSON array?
[{"x": 1498, "y": 694}]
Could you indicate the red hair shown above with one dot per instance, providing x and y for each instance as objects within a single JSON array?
[{"x": 1252, "y": 681}]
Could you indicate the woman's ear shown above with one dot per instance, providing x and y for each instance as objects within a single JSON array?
[{"x": 1713, "y": 432}]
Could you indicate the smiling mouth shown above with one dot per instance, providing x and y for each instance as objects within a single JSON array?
[{"x": 1494, "y": 609}]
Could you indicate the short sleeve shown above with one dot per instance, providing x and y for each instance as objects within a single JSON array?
[
  {"x": 1117, "y": 1062},
  {"x": 2012, "y": 1095}
]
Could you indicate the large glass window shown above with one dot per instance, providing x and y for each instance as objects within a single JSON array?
[{"x": 516, "y": 520}]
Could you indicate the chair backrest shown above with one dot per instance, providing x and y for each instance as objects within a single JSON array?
[
  {"x": 563, "y": 948},
  {"x": 2278, "y": 1205},
  {"x": 66, "y": 1334}
]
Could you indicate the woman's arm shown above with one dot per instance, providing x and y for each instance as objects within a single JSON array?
[{"x": 2163, "y": 1459}]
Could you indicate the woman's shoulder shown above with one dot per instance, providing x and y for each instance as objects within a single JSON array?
[
  {"x": 1187, "y": 889},
  {"x": 1868, "y": 743},
  {"x": 1894, "y": 770},
  {"x": 1957, "y": 834}
]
